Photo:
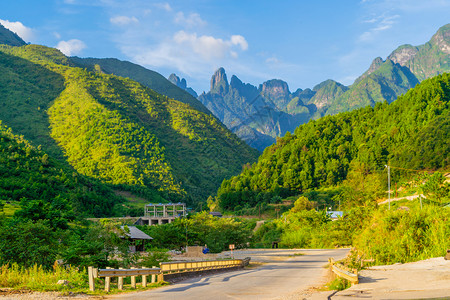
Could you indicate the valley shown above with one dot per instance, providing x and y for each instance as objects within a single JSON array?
[{"x": 86, "y": 143}]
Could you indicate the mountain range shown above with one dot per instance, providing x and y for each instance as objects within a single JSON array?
[
  {"x": 131, "y": 129},
  {"x": 261, "y": 114}
]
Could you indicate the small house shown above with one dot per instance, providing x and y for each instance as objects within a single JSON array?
[{"x": 136, "y": 237}]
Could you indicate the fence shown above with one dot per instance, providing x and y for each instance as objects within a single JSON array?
[
  {"x": 158, "y": 273},
  {"x": 339, "y": 271}
]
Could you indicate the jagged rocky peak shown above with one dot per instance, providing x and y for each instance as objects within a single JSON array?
[
  {"x": 219, "y": 82},
  {"x": 275, "y": 89},
  {"x": 442, "y": 39},
  {"x": 403, "y": 54},
  {"x": 236, "y": 82},
  {"x": 181, "y": 84},
  {"x": 176, "y": 80},
  {"x": 376, "y": 63}
]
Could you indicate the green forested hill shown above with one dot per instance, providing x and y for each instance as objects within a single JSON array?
[
  {"x": 45, "y": 188},
  {"x": 411, "y": 132},
  {"x": 115, "y": 129},
  {"x": 144, "y": 76}
]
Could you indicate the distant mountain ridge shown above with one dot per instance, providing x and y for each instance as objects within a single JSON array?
[{"x": 260, "y": 115}]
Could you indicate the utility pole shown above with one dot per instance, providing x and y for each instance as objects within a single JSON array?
[{"x": 389, "y": 184}]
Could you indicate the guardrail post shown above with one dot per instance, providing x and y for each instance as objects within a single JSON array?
[
  {"x": 133, "y": 280},
  {"x": 91, "y": 278},
  {"x": 107, "y": 282},
  {"x": 144, "y": 280},
  {"x": 160, "y": 277},
  {"x": 120, "y": 282},
  {"x": 153, "y": 280}
]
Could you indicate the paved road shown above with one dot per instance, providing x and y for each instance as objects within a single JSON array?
[{"x": 283, "y": 276}]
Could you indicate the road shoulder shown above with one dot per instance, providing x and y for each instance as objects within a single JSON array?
[{"x": 423, "y": 279}]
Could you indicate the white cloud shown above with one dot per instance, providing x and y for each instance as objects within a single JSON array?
[
  {"x": 380, "y": 23},
  {"x": 187, "y": 52},
  {"x": 239, "y": 40},
  {"x": 165, "y": 6},
  {"x": 71, "y": 47},
  {"x": 192, "y": 20},
  {"x": 21, "y": 30},
  {"x": 123, "y": 20},
  {"x": 209, "y": 47}
]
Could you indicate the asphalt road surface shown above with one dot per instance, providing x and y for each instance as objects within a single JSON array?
[{"x": 284, "y": 275}]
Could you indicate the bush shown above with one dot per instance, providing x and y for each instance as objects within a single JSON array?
[{"x": 394, "y": 236}]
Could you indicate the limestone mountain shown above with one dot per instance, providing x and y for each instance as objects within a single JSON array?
[
  {"x": 428, "y": 60},
  {"x": 114, "y": 129},
  {"x": 269, "y": 111},
  {"x": 182, "y": 84},
  {"x": 385, "y": 83},
  {"x": 325, "y": 93},
  {"x": 403, "y": 69},
  {"x": 144, "y": 76},
  {"x": 257, "y": 115},
  {"x": 7, "y": 37}
]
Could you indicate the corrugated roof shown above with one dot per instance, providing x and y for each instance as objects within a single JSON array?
[{"x": 136, "y": 234}]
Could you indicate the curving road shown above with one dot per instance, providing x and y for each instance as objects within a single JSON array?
[{"x": 284, "y": 275}]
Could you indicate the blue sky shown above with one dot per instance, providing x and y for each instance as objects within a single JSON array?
[{"x": 301, "y": 42}]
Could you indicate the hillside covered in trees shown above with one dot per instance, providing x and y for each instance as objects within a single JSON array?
[
  {"x": 410, "y": 133},
  {"x": 114, "y": 129},
  {"x": 45, "y": 189}
]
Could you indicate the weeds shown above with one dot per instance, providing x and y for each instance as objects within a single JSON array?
[{"x": 38, "y": 279}]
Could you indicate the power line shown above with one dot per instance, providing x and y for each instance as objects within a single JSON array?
[{"x": 408, "y": 169}]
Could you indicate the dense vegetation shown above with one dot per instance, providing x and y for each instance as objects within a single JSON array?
[
  {"x": 202, "y": 229},
  {"x": 115, "y": 129},
  {"x": 409, "y": 231},
  {"x": 326, "y": 151},
  {"x": 45, "y": 188},
  {"x": 43, "y": 204}
]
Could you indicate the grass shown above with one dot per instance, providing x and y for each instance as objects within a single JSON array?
[
  {"x": 338, "y": 284},
  {"x": 41, "y": 280}
]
